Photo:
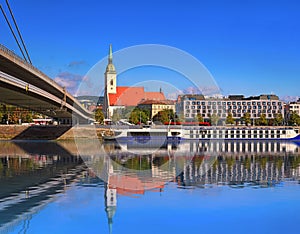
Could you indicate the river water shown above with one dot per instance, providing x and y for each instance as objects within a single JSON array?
[{"x": 241, "y": 187}]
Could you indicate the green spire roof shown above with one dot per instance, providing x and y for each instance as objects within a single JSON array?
[{"x": 110, "y": 54}]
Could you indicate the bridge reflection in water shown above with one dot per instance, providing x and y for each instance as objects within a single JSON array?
[{"x": 32, "y": 174}]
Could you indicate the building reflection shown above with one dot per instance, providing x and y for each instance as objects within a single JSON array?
[
  {"x": 30, "y": 180},
  {"x": 32, "y": 174}
]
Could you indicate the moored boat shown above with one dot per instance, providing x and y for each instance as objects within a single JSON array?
[{"x": 204, "y": 133}]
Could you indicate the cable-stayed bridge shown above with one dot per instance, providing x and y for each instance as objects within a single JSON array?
[{"x": 23, "y": 85}]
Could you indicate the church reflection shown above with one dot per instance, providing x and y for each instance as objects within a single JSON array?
[{"x": 32, "y": 175}]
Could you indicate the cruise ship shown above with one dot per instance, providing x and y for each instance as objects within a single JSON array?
[{"x": 204, "y": 133}]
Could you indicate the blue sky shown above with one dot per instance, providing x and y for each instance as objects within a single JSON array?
[{"x": 250, "y": 47}]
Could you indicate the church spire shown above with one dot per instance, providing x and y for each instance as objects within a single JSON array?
[
  {"x": 110, "y": 54},
  {"x": 110, "y": 67}
]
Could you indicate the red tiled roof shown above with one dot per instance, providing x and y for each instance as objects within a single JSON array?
[
  {"x": 126, "y": 185},
  {"x": 131, "y": 96}
]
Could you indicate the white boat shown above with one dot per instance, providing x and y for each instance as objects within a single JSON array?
[{"x": 204, "y": 133}]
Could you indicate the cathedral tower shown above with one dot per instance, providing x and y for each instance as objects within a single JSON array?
[
  {"x": 110, "y": 82},
  {"x": 110, "y": 75}
]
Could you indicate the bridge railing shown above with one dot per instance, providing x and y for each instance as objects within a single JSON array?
[
  {"x": 17, "y": 57},
  {"x": 30, "y": 66}
]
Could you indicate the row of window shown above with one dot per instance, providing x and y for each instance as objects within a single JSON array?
[
  {"x": 233, "y": 107},
  {"x": 236, "y": 131},
  {"x": 234, "y": 111},
  {"x": 233, "y": 103},
  {"x": 236, "y": 136},
  {"x": 234, "y": 115}
]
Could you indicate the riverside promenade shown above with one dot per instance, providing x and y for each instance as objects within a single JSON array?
[{"x": 49, "y": 132}]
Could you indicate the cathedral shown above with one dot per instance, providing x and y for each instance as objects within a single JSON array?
[{"x": 122, "y": 96}]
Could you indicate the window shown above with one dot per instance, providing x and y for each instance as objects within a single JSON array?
[
  {"x": 243, "y": 103},
  {"x": 253, "y": 103},
  {"x": 228, "y": 103},
  {"x": 238, "y": 103},
  {"x": 111, "y": 82}
]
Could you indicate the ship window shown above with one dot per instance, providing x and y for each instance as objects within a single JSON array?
[{"x": 283, "y": 132}]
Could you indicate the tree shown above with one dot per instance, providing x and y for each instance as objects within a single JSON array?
[
  {"x": 262, "y": 120},
  {"x": 138, "y": 116},
  {"x": 246, "y": 118},
  {"x": 99, "y": 116},
  {"x": 278, "y": 119},
  {"x": 294, "y": 119},
  {"x": 229, "y": 118},
  {"x": 199, "y": 118},
  {"x": 164, "y": 116},
  {"x": 214, "y": 118}
]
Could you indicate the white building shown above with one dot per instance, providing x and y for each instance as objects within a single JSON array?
[
  {"x": 189, "y": 106},
  {"x": 294, "y": 107}
]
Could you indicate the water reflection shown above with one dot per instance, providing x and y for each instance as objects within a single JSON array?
[{"x": 32, "y": 174}]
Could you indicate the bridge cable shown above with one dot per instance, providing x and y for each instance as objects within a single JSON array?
[
  {"x": 13, "y": 33},
  {"x": 19, "y": 33}
]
